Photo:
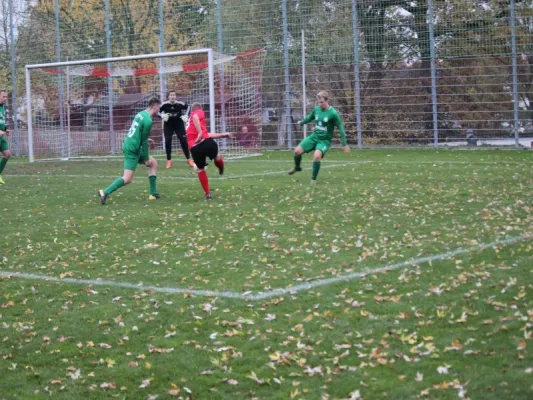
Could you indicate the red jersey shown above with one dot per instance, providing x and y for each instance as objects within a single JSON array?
[{"x": 191, "y": 132}]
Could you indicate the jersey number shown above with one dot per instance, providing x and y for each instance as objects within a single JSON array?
[{"x": 133, "y": 128}]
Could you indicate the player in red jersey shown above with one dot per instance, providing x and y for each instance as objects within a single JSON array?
[{"x": 202, "y": 145}]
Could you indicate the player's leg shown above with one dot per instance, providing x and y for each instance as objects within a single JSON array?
[
  {"x": 305, "y": 146},
  {"x": 199, "y": 157},
  {"x": 6, "y": 155},
  {"x": 180, "y": 131},
  {"x": 152, "y": 178},
  {"x": 212, "y": 153},
  {"x": 322, "y": 148},
  {"x": 168, "y": 132},
  {"x": 126, "y": 179},
  {"x": 130, "y": 164}
]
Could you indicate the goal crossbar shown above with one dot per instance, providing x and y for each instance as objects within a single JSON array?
[{"x": 211, "y": 75}]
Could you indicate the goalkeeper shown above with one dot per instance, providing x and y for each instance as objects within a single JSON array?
[
  {"x": 175, "y": 115},
  {"x": 326, "y": 119}
]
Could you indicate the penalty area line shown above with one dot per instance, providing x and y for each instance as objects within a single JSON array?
[
  {"x": 292, "y": 290},
  {"x": 174, "y": 178}
]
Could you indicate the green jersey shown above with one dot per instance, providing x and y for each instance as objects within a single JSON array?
[
  {"x": 325, "y": 123},
  {"x": 3, "y": 125},
  {"x": 137, "y": 139}
]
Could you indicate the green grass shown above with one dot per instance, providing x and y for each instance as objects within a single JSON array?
[{"x": 471, "y": 315}]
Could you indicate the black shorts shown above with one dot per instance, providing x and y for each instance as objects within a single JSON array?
[{"x": 208, "y": 148}]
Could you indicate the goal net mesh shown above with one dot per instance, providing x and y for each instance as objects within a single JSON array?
[{"x": 86, "y": 110}]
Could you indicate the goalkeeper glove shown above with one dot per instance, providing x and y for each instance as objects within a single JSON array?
[
  {"x": 165, "y": 117},
  {"x": 184, "y": 118}
]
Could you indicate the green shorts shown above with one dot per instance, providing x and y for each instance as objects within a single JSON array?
[
  {"x": 131, "y": 160},
  {"x": 4, "y": 146},
  {"x": 312, "y": 142}
]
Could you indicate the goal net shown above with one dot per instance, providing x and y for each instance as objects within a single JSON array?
[{"x": 85, "y": 108}]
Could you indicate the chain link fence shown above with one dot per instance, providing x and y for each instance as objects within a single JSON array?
[{"x": 401, "y": 73}]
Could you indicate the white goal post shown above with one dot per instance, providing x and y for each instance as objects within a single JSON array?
[{"x": 80, "y": 109}]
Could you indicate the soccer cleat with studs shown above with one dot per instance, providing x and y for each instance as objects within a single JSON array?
[
  {"x": 102, "y": 196},
  {"x": 294, "y": 170},
  {"x": 154, "y": 197},
  {"x": 2, "y": 181},
  {"x": 313, "y": 182},
  {"x": 208, "y": 197},
  {"x": 169, "y": 164}
]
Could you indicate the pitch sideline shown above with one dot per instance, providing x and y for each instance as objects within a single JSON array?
[{"x": 271, "y": 293}]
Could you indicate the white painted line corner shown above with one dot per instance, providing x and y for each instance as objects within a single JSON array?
[{"x": 275, "y": 292}]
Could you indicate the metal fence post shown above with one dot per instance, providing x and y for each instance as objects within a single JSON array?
[
  {"x": 14, "y": 112},
  {"x": 432, "y": 49},
  {"x": 112, "y": 137},
  {"x": 286, "y": 68},
  {"x": 515, "y": 75},
  {"x": 61, "y": 94},
  {"x": 304, "y": 83},
  {"x": 221, "y": 72},
  {"x": 163, "y": 76},
  {"x": 355, "y": 34}
]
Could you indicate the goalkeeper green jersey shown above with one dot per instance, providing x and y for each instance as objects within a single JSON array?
[
  {"x": 325, "y": 123},
  {"x": 3, "y": 125},
  {"x": 137, "y": 139}
]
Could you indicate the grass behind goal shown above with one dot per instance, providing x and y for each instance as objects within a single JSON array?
[{"x": 459, "y": 326}]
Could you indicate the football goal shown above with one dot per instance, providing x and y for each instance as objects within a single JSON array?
[{"x": 83, "y": 109}]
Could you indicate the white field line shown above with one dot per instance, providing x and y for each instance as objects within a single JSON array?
[
  {"x": 423, "y": 162},
  {"x": 179, "y": 178},
  {"x": 329, "y": 164},
  {"x": 275, "y": 292}
]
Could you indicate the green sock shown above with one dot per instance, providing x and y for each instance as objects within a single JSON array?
[
  {"x": 3, "y": 163},
  {"x": 297, "y": 161},
  {"x": 152, "y": 180},
  {"x": 316, "y": 168},
  {"x": 117, "y": 184}
]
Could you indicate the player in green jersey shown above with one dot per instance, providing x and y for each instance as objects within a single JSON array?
[
  {"x": 326, "y": 119},
  {"x": 4, "y": 133},
  {"x": 135, "y": 150}
]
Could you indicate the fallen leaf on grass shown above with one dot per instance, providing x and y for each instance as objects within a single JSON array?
[
  {"x": 254, "y": 378},
  {"x": 144, "y": 383},
  {"x": 443, "y": 370},
  {"x": 355, "y": 395}
]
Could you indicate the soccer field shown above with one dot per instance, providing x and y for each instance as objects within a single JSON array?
[{"x": 401, "y": 274}]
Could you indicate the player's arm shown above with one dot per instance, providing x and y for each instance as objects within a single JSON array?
[
  {"x": 186, "y": 109},
  {"x": 340, "y": 127},
  {"x": 5, "y": 132},
  {"x": 145, "y": 129},
  {"x": 163, "y": 114},
  {"x": 220, "y": 135},
  {"x": 309, "y": 118}
]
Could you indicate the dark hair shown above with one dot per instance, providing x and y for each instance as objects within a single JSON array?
[
  {"x": 153, "y": 101},
  {"x": 171, "y": 91},
  {"x": 3, "y": 90}
]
